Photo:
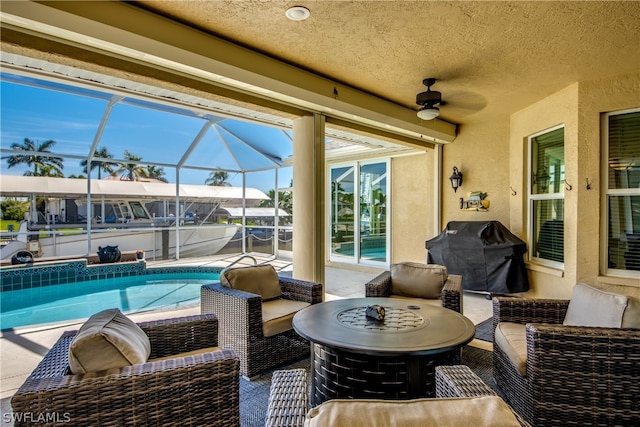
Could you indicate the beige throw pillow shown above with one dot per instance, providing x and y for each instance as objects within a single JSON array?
[
  {"x": 412, "y": 279},
  {"x": 108, "y": 339},
  {"x": 260, "y": 280},
  {"x": 592, "y": 307}
]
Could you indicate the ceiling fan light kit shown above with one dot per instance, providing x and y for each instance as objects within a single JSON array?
[
  {"x": 428, "y": 101},
  {"x": 428, "y": 113}
]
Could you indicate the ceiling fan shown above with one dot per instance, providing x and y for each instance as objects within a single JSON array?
[{"x": 428, "y": 101}]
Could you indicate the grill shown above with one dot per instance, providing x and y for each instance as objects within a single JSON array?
[{"x": 485, "y": 253}]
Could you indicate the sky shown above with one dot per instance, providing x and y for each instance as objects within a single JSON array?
[{"x": 156, "y": 135}]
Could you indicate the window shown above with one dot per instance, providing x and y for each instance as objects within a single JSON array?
[
  {"x": 139, "y": 212},
  {"x": 373, "y": 212},
  {"x": 546, "y": 197},
  {"x": 621, "y": 134},
  {"x": 359, "y": 230},
  {"x": 342, "y": 211}
]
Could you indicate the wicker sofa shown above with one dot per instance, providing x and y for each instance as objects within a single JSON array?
[
  {"x": 451, "y": 293},
  {"x": 569, "y": 375},
  {"x": 242, "y": 327},
  {"x": 194, "y": 390}
]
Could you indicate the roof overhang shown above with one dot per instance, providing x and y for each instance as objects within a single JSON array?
[
  {"x": 26, "y": 186},
  {"x": 124, "y": 31}
]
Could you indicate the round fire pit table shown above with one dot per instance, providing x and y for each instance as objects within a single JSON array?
[{"x": 355, "y": 356}]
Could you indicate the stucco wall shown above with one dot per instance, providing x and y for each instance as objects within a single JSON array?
[
  {"x": 481, "y": 153},
  {"x": 560, "y": 108},
  {"x": 596, "y": 97},
  {"x": 578, "y": 107},
  {"x": 412, "y": 189}
]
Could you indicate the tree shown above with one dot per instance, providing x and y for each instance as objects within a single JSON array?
[
  {"x": 132, "y": 171},
  {"x": 155, "y": 172},
  {"x": 377, "y": 209},
  {"x": 13, "y": 209},
  {"x": 218, "y": 178},
  {"x": 102, "y": 165},
  {"x": 285, "y": 201},
  {"x": 43, "y": 165},
  {"x": 51, "y": 170}
]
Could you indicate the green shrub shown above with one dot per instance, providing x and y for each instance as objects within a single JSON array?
[{"x": 14, "y": 209}]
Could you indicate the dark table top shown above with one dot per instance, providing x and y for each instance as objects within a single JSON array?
[{"x": 409, "y": 327}]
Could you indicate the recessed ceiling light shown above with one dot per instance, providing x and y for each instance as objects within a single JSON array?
[{"x": 297, "y": 13}]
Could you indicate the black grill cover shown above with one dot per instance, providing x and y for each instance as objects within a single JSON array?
[{"x": 485, "y": 253}]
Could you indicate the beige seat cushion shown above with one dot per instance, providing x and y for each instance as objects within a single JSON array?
[
  {"x": 277, "y": 315},
  {"x": 260, "y": 280},
  {"x": 485, "y": 411},
  {"x": 186, "y": 353},
  {"x": 593, "y": 307},
  {"x": 412, "y": 279},
  {"x": 108, "y": 339},
  {"x": 512, "y": 339}
]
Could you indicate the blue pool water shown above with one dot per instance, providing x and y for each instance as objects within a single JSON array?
[
  {"x": 369, "y": 253},
  {"x": 80, "y": 300}
]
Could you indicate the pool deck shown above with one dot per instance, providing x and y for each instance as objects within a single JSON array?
[{"x": 22, "y": 349}]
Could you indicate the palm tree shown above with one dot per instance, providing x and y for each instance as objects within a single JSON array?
[
  {"x": 102, "y": 165},
  {"x": 43, "y": 165},
  {"x": 155, "y": 172},
  {"x": 218, "y": 178},
  {"x": 131, "y": 171},
  {"x": 284, "y": 201},
  {"x": 50, "y": 170}
]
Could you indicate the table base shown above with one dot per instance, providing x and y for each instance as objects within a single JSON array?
[{"x": 340, "y": 374}]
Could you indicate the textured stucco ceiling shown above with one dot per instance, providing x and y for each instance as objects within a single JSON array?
[{"x": 491, "y": 58}]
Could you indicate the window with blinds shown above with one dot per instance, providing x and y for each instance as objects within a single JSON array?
[
  {"x": 622, "y": 141},
  {"x": 546, "y": 196}
]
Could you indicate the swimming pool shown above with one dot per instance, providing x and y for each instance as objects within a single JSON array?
[{"x": 132, "y": 294}]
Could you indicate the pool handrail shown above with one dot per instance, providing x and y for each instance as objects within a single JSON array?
[{"x": 255, "y": 262}]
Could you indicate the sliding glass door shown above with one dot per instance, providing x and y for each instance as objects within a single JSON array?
[{"x": 359, "y": 230}]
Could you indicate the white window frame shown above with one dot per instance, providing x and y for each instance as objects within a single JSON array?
[
  {"x": 531, "y": 198},
  {"x": 357, "y": 166},
  {"x": 606, "y": 192}
]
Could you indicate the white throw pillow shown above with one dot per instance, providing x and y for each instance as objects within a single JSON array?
[
  {"x": 631, "y": 318},
  {"x": 109, "y": 339},
  {"x": 592, "y": 307}
]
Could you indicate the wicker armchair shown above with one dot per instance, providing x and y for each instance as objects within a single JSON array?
[
  {"x": 194, "y": 391},
  {"x": 451, "y": 297},
  {"x": 574, "y": 375},
  {"x": 288, "y": 399},
  {"x": 241, "y": 328},
  {"x": 289, "y": 394}
]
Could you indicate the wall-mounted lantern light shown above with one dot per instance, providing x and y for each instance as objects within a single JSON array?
[
  {"x": 542, "y": 178},
  {"x": 456, "y": 179}
]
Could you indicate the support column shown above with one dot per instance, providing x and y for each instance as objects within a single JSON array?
[{"x": 308, "y": 198}]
